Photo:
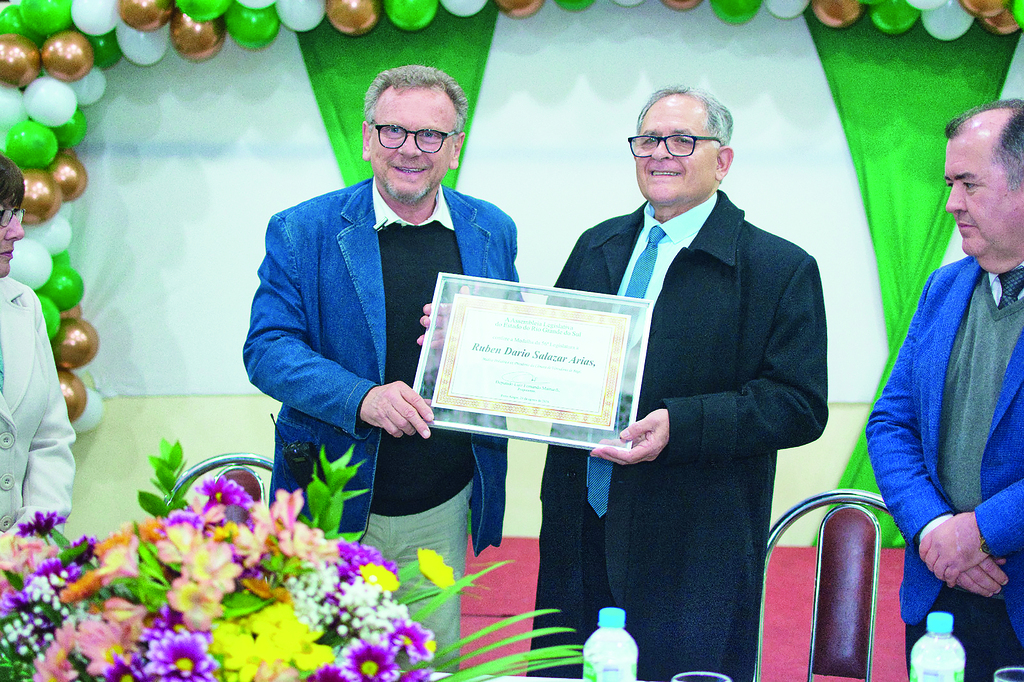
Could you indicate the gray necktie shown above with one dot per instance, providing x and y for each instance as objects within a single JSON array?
[
  {"x": 599, "y": 471},
  {"x": 1013, "y": 282}
]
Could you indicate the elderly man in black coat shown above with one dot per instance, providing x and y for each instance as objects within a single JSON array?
[{"x": 736, "y": 370}]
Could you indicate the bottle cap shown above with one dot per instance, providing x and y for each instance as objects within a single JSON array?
[
  {"x": 940, "y": 622},
  {"x": 611, "y": 617}
]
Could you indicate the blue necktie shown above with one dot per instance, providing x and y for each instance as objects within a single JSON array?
[
  {"x": 1013, "y": 282},
  {"x": 599, "y": 471}
]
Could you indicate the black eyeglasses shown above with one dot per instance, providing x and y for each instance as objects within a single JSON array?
[
  {"x": 427, "y": 140},
  {"x": 643, "y": 146},
  {"x": 8, "y": 213}
]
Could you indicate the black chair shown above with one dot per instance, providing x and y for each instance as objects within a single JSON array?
[
  {"x": 845, "y": 583},
  {"x": 236, "y": 466}
]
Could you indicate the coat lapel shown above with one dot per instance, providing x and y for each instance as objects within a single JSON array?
[{"x": 616, "y": 250}]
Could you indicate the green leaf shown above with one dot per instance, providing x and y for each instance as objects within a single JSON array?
[
  {"x": 238, "y": 604},
  {"x": 152, "y": 504}
]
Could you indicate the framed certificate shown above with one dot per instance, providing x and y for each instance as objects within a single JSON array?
[{"x": 530, "y": 362}]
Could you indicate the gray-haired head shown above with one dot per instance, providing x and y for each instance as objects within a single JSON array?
[
  {"x": 417, "y": 76},
  {"x": 1009, "y": 152},
  {"x": 719, "y": 120}
]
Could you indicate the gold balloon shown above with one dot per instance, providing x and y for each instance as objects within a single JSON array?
[
  {"x": 42, "y": 196},
  {"x": 19, "y": 60},
  {"x": 71, "y": 313},
  {"x": 145, "y": 15},
  {"x": 197, "y": 40},
  {"x": 519, "y": 9},
  {"x": 979, "y": 9},
  {"x": 67, "y": 56},
  {"x": 1001, "y": 25},
  {"x": 680, "y": 4},
  {"x": 74, "y": 393},
  {"x": 353, "y": 17},
  {"x": 69, "y": 174},
  {"x": 837, "y": 13},
  {"x": 75, "y": 344}
]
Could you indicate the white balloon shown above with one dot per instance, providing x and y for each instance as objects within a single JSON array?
[
  {"x": 948, "y": 22},
  {"x": 92, "y": 414},
  {"x": 926, "y": 4},
  {"x": 90, "y": 88},
  {"x": 464, "y": 8},
  {"x": 255, "y": 4},
  {"x": 144, "y": 48},
  {"x": 54, "y": 234},
  {"x": 50, "y": 101},
  {"x": 12, "y": 107},
  {"x": 788, "y": 9},
  {"x": 628, "y": 3},
  {"x": 94, "y": 17},
  {"x": 31, "y": 263},
  {"x": 301, "y": 15}
]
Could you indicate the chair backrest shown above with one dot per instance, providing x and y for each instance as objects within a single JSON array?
[
  {"x": 845, "y": 583},
  {"x": 237, "y": 466}
]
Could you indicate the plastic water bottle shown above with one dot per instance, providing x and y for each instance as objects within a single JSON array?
[
  {"x": 938, "y": 656},
  {"x": 609, "y": 654}
]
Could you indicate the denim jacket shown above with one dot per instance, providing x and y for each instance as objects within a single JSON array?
[{"x": 316, "y": 336}]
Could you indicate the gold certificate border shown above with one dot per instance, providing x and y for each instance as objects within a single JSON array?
[{"x": 603, "y": 418}]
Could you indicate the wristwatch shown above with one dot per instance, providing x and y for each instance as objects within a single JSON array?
[{"x": 984, "y": 545}]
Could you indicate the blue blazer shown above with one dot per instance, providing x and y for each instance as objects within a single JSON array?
[
  {"x": 903, "y": 440},
  {"x": 316, "y": 335}
]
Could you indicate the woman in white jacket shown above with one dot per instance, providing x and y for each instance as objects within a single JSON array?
[{"x": 36, "y": 465}]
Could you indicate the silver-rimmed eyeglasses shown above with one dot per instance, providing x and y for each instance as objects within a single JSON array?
[
  {"x": 8, "y": 213},
  {"x": 643, "y": 146},
  {"x": 427, "y": 140}
]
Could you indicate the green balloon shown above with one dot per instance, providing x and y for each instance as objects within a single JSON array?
[
  {"x": 411, "y": 15},
  {"x": 106, "y": 51},
  {"x": 735, "y": 11},
  {"x": 893, "y": 16},
  {"x": 64, "y": 287},
  {"x": 574, "y": 5},
  {"x": 72, "y": 132},
  {"x": 62, "y": 258},
  {"x": 31, "y": 144},
  {"x": 204, "y": 10},
  {"x": 253, "y": 29},
  {"x": 51, "y": 314},
  {"x": 12, "y": 22},
  {"x": 46, "y": 16}
]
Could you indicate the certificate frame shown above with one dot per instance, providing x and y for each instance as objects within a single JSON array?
[{"x": 535, "y": 363}]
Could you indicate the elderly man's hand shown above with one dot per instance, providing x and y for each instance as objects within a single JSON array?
[
  {"x": 649, "y": 437},
  {"x": 985, "y": 579},
  {"x": 954, "y": 547},
  {"x": 397, "y": 409}
]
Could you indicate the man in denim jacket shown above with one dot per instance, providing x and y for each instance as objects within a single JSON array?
[{"x": 335, "y": 320}]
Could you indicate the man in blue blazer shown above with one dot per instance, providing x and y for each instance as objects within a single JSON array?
[
  {"x": 335, "y": 320},
  {"x": 946, "y": 437}
]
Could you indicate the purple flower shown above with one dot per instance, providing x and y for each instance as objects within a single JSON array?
[
  {"x": 353, "y": 555},
  {"x": 167, "y": 621},
  {"x": 417, "y": 675},
  {"x": 368, "y": 662},
  {"x": 180, "y": 656},
  {"x": 412, "y": 638},
  {"x": 41, "y": 524},
  {"x": 185, "y": 517},
  {"x": 124, "y": 671},
  {"x": 88, "y": 553},
  {"x": 224, "y": 491},
  {"x": 328, "y": 673}
]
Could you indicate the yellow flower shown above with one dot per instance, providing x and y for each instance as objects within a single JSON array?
[
  {"x": 433, "y": 567},
  {"x": 376, "y": 574}
]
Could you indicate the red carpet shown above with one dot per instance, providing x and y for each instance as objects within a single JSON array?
[{"x": 510, "y": 589}]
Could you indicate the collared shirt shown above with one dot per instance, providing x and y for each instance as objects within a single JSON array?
[
  {"x": 997, "y": 284},
  {"x": 679, "y": 232},
  {"x": 384, "y": 215}
]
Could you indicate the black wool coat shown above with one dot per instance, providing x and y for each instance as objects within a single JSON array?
[{"x": 737, "y": 354}]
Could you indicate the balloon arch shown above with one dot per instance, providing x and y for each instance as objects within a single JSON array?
[{"x": 53, "y": 53}]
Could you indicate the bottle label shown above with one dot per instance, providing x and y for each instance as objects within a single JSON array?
[
  {"x": 611, "y": 673},
  {"x": 936, "y": 675}
]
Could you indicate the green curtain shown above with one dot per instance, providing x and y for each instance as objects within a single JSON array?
[
  {"x": 894, "y": 95},
  {"x": 341, "y": 68}
]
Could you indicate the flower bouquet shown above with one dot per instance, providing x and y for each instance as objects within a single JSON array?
[{"x": 190, "y": 595}]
